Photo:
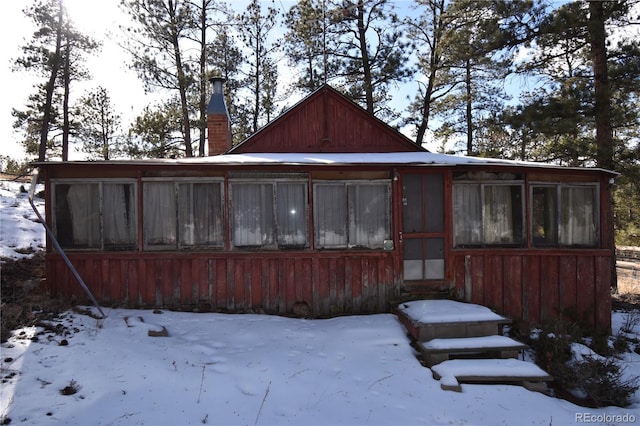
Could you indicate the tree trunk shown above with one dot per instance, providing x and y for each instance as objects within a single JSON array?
[
  {"x": 597, "y": 38},
  {"x": 50, "y": 87},
  {"x": 202, "y": 123},
  {"x": 366, "y": 64},
  {"x": 182, "y": 86},
  {"x": 65, "y": 102},
  {"x": 604, "y": 133},
  {"x": 468, "y": 114}
]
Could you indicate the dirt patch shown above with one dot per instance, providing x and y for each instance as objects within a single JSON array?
[{"x": 25, "y": 301}]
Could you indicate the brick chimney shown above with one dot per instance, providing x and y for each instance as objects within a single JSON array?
[{"x": 218, "y": 128}]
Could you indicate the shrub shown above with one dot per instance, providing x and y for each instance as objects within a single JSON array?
[{"x": 600, "y": 383}]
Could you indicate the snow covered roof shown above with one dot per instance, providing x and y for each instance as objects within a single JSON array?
[{"x": 338, "y": 159}]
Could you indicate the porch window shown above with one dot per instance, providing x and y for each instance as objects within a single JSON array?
[
  {"x": 488, "y": 214},
  {"x": 95, "y": 215},
  {"x": 352, "y": 214},
  {"x": 183, "y": 214},
  {"x": 564, "y": 215},
  {"x": 269, "y": 215}
]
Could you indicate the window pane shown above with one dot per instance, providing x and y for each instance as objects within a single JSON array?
[
  {"x": 118, "y": 200},
  {"x": 330, "y": 215},
  {"x": 467, "y": 215},
  {"x": 368, "y": 215},
  {"x": 160, "y": 214},
  {"x": 502, "y": 214},
  {"x": 77, "y": 215},
  {"x": 578, "y": 223},
  {"x": 544, "y": 222},
  {"x": 200, "y": 214},
  {"x": 252, "y": 214},
  {"x": 291, "y": 211}
]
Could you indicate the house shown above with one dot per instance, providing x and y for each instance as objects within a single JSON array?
[{"x": 329, "y": 207}]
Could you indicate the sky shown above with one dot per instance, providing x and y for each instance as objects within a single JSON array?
[
  {"x": 97, "y": 18},
  {"x": 101, "y": 19}
]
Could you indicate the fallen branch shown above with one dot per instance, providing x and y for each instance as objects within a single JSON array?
[{"x": 266, "y": 392}]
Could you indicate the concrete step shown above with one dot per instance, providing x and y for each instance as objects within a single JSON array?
[
  {"x": 509, "y": 371},
  {"x": 438, "y": 350}
]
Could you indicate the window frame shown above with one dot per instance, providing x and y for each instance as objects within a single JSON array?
[
  {"x": 274, "y": 180},
  {"x": 559, "y": 186},
  {"x": 482, "y": 184},
  {"x": 179, "y": 245},
  {"x": 100, "y": 182},
  {"x": 346, "y": 184}
]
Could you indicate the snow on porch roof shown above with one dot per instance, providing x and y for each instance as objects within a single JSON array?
[{"x": 336, "y": 159}]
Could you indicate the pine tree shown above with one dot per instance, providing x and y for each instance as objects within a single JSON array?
[
  {"x": 156, "y": 45},
  {"x": 99, "y": 125}
]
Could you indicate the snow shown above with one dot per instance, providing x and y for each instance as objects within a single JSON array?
[
  {"x": 245, "y": 369},
  {"x": 447, "y": 311},
  {"x": 488, "y": 367},
  {"x": 19, "y": 229},
  {"x": 387, "y": 158},
  {"x": 470, "y": 343}
]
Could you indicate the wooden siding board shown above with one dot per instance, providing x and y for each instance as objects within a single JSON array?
[
  {"x": 567, "y": 287},
  {"x": 256, "y": 284},
  {"x": 477, "y": 280},
  {"x": 356, "y": 285},
  {"x": 549, "y": 288},
  {"x": 290, "y": 284},
  {"x": 513, "y": 288},
  {"x": 134, "y": 282},
  {"x": 493, "y": 284},
  {"x": 315, "y": 286},
  {"x": 531, "y": 289},
  {"x": 324, "y": 284},
  {"x": 586, "y": 288},
  {"x": 604, "y": 276}
]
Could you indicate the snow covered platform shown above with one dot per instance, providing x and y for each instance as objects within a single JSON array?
[
  {"x": 439, "y": 350},
  {"x": 452, "y": 373},
  {"x": 431, "y": 319}
]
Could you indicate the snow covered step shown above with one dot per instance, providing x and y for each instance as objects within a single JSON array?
[
  {"x": 439, "y": 350},
  {"x": 452, "y": 373},
  {"x": 432, "y": 319}
]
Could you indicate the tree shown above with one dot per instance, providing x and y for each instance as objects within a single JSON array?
[
  {"x": 156, "y": 45},
  {"x": 54, "y": 53},
  {"x": 368, "y": 52},
  {"x": 305, "y": 43},
  {"x": 99, "y": 125},
  {"x": 226, "y": 58},
  {"x": 157, "y": 132},
  {"x": 255, "y": 31},
  {"x": 43, "y": 54},
  {"x": 473, "y": 73}
]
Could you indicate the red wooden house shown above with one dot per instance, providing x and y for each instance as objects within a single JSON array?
[{"x": 329, "y": 206}]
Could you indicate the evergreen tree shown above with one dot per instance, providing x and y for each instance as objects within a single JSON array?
[
  {"x": 99, "y": 125},
  {"x": 255, "y": 29},
  {"x": 156, "y": 45},
  {"x": 305, "y": 43},
  {"x": 368, "y": 53},
  {"x": 157, "y": 132}
]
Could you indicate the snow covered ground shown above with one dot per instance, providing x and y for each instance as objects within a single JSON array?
[{"x": 244, "y": 369}]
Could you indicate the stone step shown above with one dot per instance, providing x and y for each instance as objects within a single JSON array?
[
  {"x": 509, "y": 371},
  {"x": 438, "y": 350}
]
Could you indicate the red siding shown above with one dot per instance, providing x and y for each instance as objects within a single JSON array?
[
  {"x": 326, "y": 121},
  {"x": 330, "y": 283},
  {"x": 537, "y": 286}
]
